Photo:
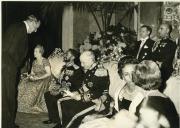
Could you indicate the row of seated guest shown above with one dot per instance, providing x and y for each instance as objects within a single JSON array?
[
  {"x": 89, "y": 91},
  {"x": 32, "y": 88},
  {"x": 150, "y": 108},
  {"x": 94, "y": 76},
  {"x": 127, "y": 90},
  {"x": 161, "y": 51},
  {"x": 127, "y": 71}
]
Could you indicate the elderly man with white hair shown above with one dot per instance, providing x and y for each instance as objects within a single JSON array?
[{"x": 93, "y": 91}]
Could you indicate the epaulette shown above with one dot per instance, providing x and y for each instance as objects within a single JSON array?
[
  {"x": 101, "y": 72},
  {"x": 75, "y": 66}
]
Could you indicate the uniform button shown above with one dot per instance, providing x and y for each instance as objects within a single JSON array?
[{"x": 88, "y": 95}]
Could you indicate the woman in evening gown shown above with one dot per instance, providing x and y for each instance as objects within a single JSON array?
[{"x": 32, "y": 88}]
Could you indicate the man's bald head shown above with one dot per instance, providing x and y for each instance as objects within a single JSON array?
[
  {"x": 165, "y": 30},
  {"x": 88, "y": 55},
  {"x": 87, "y": 58}
]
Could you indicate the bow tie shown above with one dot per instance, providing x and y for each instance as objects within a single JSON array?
[{"x": 143, "y": 40}]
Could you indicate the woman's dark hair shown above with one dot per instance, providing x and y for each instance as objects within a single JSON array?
[
  {"x": 76, "y": 55},
  {"x": 124, "y": 61},
  {"x": 147, "y": 75}
]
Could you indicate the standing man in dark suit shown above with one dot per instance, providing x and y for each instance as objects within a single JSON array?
[
  {"x": 164, "y": 51},
  {"x": 14, "y": 51},
  {"x": 145, "y": 44}
]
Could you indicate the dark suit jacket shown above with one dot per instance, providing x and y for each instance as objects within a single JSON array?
[
  {"x": 146, "y": 50},
  {"x": 14, "y": 44},
  {"x": 14, "y": 51},
  {"x": 164, "y": 106}
]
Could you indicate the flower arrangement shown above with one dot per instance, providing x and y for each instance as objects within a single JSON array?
[{"x": 111, "y": 45}]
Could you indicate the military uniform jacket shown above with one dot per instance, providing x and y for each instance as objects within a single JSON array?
[
  {"x": 145, "y": 52},
  {"x": 95, "y": 83},
  {"x": 165, "y": 52},
  {"x": 72, "y": 77}
]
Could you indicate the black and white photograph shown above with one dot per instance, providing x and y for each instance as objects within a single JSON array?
[{"x": 90, "y": 64}]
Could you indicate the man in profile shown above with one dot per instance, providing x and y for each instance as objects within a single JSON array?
[
  {"x": 164, "y": 51},
  {"x": 70, "y": 79},
  {"x": 14, "y": 52}
]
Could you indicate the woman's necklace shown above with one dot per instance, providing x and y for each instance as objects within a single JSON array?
[{"x": 128, "y": 92}]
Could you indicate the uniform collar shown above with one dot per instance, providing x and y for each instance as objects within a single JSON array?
[
  {"x": 92, "y": 67},
  {"x": 165, "y": 38}
]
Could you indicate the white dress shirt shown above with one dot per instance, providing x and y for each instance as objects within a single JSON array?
[{"x": 143, "y": 40}]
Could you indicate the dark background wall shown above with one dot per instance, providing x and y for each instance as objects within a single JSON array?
[
  {"x": 150, "y": 14},
  {"x": 50, "y": 32},
  {"x": 17, "y": 11},
  {"x": 81, "y": 27},
  {"x": 121, "y": 17}
]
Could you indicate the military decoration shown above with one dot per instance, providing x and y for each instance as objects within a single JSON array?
[
  {"x": 66, "y": 77},
  {"x": 90, "y": 84}
]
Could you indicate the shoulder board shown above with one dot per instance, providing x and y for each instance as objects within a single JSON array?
[
  {"x": 101, "y": 72},
  {"x": 76, "y": 66}
]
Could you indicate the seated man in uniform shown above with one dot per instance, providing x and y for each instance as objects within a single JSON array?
[
  {"x": 163, "y": 52},
  {"x": 70, "y": 79},
  {"x": 93, "y": 90}
]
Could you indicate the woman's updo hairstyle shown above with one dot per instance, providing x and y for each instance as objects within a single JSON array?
[
  {"x": 147, "y": 75},
  {"x": 124, "y": 61}
]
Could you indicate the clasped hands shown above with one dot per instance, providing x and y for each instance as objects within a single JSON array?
[
  {"x": 32, "y": 77},
  {"x": 74, "y": 95}
]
